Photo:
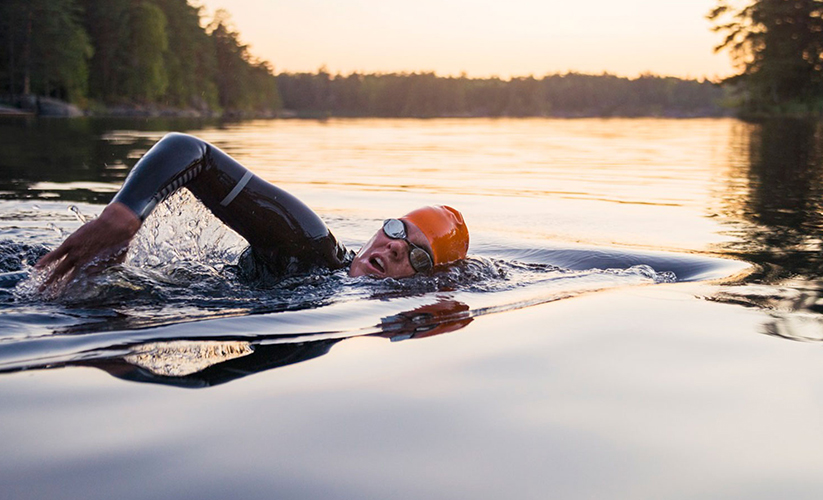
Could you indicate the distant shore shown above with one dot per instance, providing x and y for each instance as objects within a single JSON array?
[{"x": 31, "y": 106}]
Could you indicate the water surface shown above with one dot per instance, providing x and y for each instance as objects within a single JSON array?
[{"x": 627, "y": 325}]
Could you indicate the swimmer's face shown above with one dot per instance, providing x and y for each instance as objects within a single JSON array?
[{"x": 384, "y": 257}]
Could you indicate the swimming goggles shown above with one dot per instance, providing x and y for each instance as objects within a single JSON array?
[{"x": 419, "y": 258}]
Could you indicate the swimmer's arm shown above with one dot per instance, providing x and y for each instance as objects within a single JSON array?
[
  {"x": 274, "y": 222},
  {"x": 215, "y": 178},
  {"x": 264, "y": 215},
  {"x": 169, "y": 165},
  {"x": 173, "y": 162},
  {"x": 101, "y": 241}
]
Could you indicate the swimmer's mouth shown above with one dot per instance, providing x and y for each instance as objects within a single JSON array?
[{"x": 377, "y": 263}]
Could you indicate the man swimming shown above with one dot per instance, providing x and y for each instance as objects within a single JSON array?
[{"x": 285, "y": 236}]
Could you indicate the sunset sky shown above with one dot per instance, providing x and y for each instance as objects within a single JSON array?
[{"x": 482, "y": 37}]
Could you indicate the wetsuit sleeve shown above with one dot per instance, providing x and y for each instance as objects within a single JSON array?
[{"x": 281, "y": 229}]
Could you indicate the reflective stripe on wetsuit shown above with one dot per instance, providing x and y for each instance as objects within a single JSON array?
[{"x": 282, "y": 231}]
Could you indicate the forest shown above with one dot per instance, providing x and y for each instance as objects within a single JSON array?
[
  {"x": 109, "y": 54},
  {"x": 130, "y": 52},
  {"x": 103, "y": 55},
  {"x": 424, "y": 95}
]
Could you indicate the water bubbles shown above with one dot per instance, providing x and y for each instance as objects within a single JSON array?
[
  {"x": 58, "y": 230},
  {"x": 76, "y": 211},
  {"x": 647, "y": 272}
]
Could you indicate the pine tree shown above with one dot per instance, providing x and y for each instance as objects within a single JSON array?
[{"x": 777, "y": 46}]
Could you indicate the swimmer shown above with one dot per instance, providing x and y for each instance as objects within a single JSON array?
[{"x": 285, "y": 236}]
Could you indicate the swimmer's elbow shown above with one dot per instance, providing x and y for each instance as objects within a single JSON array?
[{"x": 180, "y": 141}]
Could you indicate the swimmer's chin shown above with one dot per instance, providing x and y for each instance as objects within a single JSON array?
[
  {"x": 361, "y": 267},
  {"x": 356, "y": 272}
]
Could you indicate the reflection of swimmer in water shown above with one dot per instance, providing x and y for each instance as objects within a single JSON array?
[
  {"x": 205, "y": 363},
  {"x": 285, "y": 235}
]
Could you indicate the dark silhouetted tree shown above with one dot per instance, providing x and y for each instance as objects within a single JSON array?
[{"x": 777, "y": 47}]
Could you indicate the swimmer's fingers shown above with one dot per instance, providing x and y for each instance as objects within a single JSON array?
[
  {"x": 51, "y": 257},
  {"x": 68, "y": 255},
  {"x": 60, "y": 257},
  {"x": 81, "y": 261},
  {"x": 65, "y": 267},
  {"x": 85, "y": 258},
  {"x": 97, "y": 240}
]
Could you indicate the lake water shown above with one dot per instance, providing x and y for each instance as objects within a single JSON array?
[{"x": 640, "y": 318}]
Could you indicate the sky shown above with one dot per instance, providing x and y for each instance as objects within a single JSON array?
[{"x": 480, "y": 37}]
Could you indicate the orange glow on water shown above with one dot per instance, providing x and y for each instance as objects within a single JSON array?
[{"x": 640, "y": 181}]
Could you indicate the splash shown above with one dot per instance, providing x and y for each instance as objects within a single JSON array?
[{"x": 182, "y": 267}]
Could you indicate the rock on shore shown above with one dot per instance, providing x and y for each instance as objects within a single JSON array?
[{"x": 41, "y": 106}]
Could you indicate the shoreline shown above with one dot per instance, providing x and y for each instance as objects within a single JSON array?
[
  {"x": 36, "y": 106},
  {"x": 51, "y": 108},
  {"x": 31, "y": 106}
]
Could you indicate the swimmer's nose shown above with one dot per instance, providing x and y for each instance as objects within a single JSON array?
[{"x": 396, "y": 248}]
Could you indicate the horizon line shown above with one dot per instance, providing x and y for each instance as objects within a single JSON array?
[{"x": 491, "y": 76}]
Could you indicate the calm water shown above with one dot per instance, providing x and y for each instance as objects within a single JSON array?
[{"x": 640, "y": 318}]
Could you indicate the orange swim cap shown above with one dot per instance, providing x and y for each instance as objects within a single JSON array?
[{"x": 445, "y": 229}]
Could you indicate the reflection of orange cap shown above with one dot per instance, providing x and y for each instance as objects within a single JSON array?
[
  {"x": 445, "y": 229},
  {"x": 435, "y": 312},
  {"x": 426, "y": 321}
]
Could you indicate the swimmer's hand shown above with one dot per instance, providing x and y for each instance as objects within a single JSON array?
[{"x": 104, "y": 240}]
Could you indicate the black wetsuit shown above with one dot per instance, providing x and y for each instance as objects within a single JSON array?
[{"x": 284, "y": 234}]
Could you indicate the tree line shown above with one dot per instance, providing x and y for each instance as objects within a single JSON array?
[
  {"x": 126, "y": 52},
  {"x": 108, "y": 53},
  {"x": 428, "y": 95}
]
